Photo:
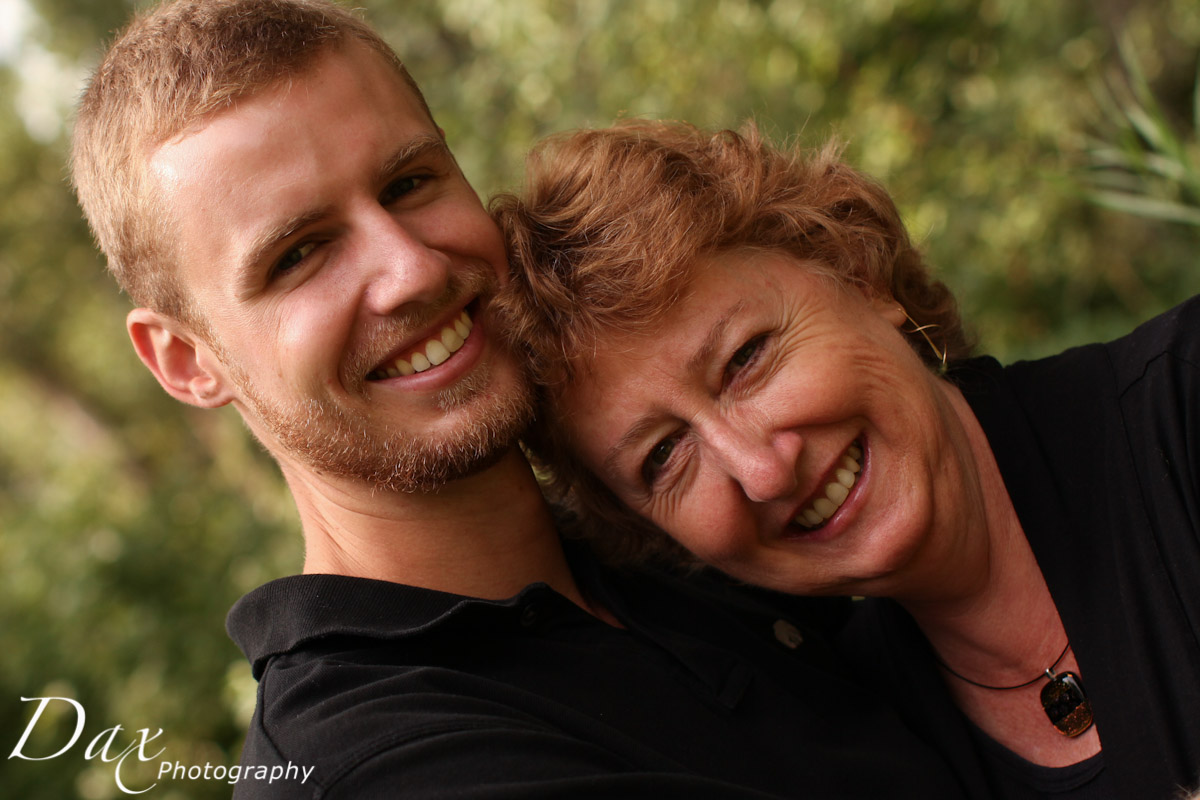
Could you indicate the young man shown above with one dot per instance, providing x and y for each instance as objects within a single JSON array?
[{"x": 271, "y": 189}]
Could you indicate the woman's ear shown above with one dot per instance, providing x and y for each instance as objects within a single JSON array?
[
  {"x": 887, "y": 307},
  {"x": 184, "y": 365}
]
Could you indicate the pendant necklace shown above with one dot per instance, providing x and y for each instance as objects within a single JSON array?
[{"x": 1063, "y": 698}]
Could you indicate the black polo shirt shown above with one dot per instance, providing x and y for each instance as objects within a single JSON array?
[{"x": 390, "y": 691}]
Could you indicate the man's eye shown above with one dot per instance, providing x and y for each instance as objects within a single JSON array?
[
  {"x": 293, "y": 257},
  {"x": 657, "y": 459},
  {"x": 399, "y": 188}
]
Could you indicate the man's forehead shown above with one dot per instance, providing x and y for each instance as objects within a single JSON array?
[
  {"x": 272, "y": 154},
  {"x": 354, "y": 62}
]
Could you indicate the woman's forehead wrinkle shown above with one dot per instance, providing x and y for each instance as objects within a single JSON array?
[{"x": 712, "y": 341}]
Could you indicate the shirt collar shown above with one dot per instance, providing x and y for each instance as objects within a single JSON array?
[{"x": 287, "y": 613}]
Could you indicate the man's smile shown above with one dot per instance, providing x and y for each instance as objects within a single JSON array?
[{"x": 431, "y": 352}]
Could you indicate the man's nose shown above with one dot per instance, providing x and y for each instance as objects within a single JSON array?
[
  {"x": 763, "y": 462},
  {"x": 403, "y": 269}
]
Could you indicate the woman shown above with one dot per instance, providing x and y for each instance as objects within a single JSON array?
[{"x": 740, "y": 348}]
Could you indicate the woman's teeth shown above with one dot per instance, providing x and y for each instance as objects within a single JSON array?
[
  {"x": 836, "y": 491},
  {"x": 433, "y": 352}
]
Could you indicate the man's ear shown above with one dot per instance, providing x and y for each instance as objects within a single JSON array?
[{"x": 184, "y": 365}]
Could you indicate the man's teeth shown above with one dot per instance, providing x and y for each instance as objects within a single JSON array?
[
  {"x": 836, "y": 491},
  {"x": 433, "y": 352}
]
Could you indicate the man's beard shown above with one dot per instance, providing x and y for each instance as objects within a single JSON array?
[
  {"x": 339, "y": 441},
  {"x": 332, "y": 441}
]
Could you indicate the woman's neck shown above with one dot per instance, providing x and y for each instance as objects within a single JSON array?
[
  {"x": 1007, "y": 636},
  {"x": 990, "y": 618}
]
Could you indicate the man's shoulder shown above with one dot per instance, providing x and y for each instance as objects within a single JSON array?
[
  {"x": 345, "y": 708},
  {"x": 288, "y": 614},
  {"x": 364, "y": 730},
  {"x": 360, "y": 678}
]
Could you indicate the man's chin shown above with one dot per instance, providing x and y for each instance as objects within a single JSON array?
[
  {"x": 482, "y": 417},
  {"x": 338, "y": 445},
  {"x": 432, "y": 482}
]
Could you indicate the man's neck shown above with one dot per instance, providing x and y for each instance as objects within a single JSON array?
[{"x": 488, "y": 535}]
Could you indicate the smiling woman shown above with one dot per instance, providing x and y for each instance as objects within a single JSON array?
[
  {"x": 700, "y": 196},
  {"x": 744, "y": 362},
  {"x": 778, "y": 379}
]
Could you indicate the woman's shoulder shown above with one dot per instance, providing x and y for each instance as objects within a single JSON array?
[
  {"x": 1173, "y": 336},
  {"x": 1169, "y": 341},
  {"x": 1151, "y": 371}
]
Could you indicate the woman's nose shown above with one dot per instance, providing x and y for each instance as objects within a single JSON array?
[{"x": 762, "y": 463}]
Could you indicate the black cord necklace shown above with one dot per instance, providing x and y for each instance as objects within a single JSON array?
[
  {"x": 1063, "y": 698},
  {"x": 950, "y": 669}
]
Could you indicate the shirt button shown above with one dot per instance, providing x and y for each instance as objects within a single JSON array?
[
  {"x": 788, "y": 634},
  {"x": 530, "y": 614}
]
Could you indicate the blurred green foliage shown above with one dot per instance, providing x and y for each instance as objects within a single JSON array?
[
  {"x": 129, "y": 523},
  {"x": 1149, "y": 167}
]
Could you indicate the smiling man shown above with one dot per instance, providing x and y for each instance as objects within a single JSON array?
[{"x": 272, "y": 191}]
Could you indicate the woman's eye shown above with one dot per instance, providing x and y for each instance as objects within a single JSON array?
[
  {"x": 293, "y": 257},
  {"x": 744, "y": 355},
  {"x": 659, "y": 455},
  {"x": 399, "y": 188}
]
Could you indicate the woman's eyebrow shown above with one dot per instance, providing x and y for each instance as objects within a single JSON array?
[
  {"x": 716, "y": 334},
  {"x": 696, "y": 366},
  {"x": 631, "y": 437}
]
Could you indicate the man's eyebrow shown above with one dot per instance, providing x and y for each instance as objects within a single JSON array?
[
  {"x": 416, "y": 148},
  {"x": 695, "y": 367},
  {"x": 269, "y": 239}
]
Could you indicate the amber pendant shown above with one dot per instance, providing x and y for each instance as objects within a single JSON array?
[{"x": 1066, "y": 704}]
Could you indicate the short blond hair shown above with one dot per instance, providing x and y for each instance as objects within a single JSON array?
[
  {"x": 611, "y": 225},
  {"x": 169, "y": 68}
]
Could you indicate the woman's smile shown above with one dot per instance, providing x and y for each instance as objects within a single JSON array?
[{"x": 835, "y": 488}]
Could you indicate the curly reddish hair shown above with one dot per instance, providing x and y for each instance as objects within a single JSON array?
[{"x": 610, "y": 227}]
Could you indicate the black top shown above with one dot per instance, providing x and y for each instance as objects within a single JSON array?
[
  {"x": 1100, "y": 451},
  {"x": 1014, "y": 778},
  {"x": 709, "y": 692}
]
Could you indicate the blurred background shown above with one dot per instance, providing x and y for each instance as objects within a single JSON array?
[{"x": 1045, "y": 156}]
